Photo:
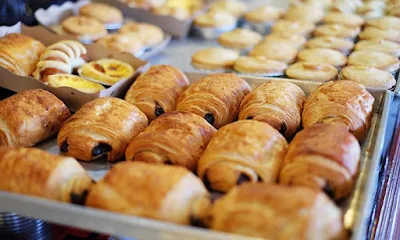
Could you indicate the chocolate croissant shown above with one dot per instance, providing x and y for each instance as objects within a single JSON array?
[
  {"x": 37, "y": 173},
  {"x": 168, "y": 193},
  {"x": 216, "y": 97},
  {"x": 243, "y": 151},
  {"x": 323, "y": 157},
  {"x": 270, "y": 211},
  {"x": 30, "y": 117},
  {"x": 278, "y": 103},
  {"x": 176, "y": 138},
  {"x": 342, "y": 101},
  {"x": 104, "y": 126},
  {"x": 157, "y": 90}
]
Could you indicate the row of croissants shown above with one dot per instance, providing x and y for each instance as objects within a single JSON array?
[{"x": 274, "y": 190}]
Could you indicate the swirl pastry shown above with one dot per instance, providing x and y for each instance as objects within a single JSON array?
[
  {"x": 61, "y": 57},
  {"x": 37, "y": 173},
  {"x": 30, "y": 117},
  {"x": 243, "y": 151},
  {"x": 20, "y": 53},
  {"x": 342, "y": 101},
  {"x": 216, "y": 97},
  {"x": 323, "y": 157},
  {"x": 277, "y": 212},
  {"x": 278, "y": 103},
  {"x": 84, "y": 28},
  {"x": 157, "y": 90},
  {"x": 104, "y": 126},
  {"x": 168, "y": 193},
  {"x": 177, "y": 138}
]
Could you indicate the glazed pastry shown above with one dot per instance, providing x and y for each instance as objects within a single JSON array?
[
  {"x": 323, "y": 157},
  {"x": 293, "y": 27},
  {"x": 234, "y": 7},
  {"x": 278, "y": 103},
  {"x": 342, "y": 101},
  {"x": 337, "y": 30},
  {"x": 296, "y": 41},
  {"x": 37, "y": 173},
  {"x": 240, "y": 39},
  {"x": 156, "y": 91},
  {"x": 350, "y": 20},
  {"x": 278, "y": 51},
  {"x": 105, "y": 13},
  {"x": 20, "y": 53},
  {"x": 61, "y": 57},
  {"x": 312, "y": 71},
  {"x": 243, "y": 151},
  {"x": 263, "y": 14},
  {"x": 68, "y": 80},
  {"x": 369, "y": 77},
  {"x": 30, "y": 117},
  {"x": 123, "y": 42},
  {"x": 277, "y": 212},
  {"x": 104, "y": 126},
  {"x": 150, "y": 35},
  {"x": 84, "y": 28},
  {"x": 216, "y": 97},
  {"x": 370, "y": 33},
  {"x": 304, "y": 13},
  {"x": 259, "y": 66},
  {"x": 168, "y": 193},
  {"x": 322, "y": 55},
  {"x": 389, "y": 47},
  {"x": 387, "y": 22},
  {"x": 374, "y": 59},
  {"x": 176, "y": 138},
  {"x": 214, "y": 59},
  {"x": 339, "y": 44},
  {"x": 107, "y": 71}
]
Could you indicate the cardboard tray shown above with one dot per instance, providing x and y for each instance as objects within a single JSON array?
[{"x": 73, "y": 98}]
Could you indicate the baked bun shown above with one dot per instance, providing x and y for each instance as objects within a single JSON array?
[
  {"x": 150, "y": 35},
  {"x": 105, "y": 13},
  {"x": 123, "y": 42},
  {"x": 84, "y": 28}
]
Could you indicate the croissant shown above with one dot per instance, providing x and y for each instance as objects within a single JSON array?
[
  {"x": 169, "y": 193},
  {"x": 216, "y": 97},
  {"x": 20, "y": 53},
  {"x": 270, "y": 211},
  {"x": 157, "y": 90},
  {"x": 323, "y": 156},
  {"x": 61, "y": 57},
  {"x": 243, "y": 151},
  {"x": 278, "y": 103},
  {"x": 30, "y": 117},
  {"x": 342, "y": 101},
  {"x": 176, "y": 138},
  {"x": 37, "y": 173},
  {"x": 104, "y": 126}
]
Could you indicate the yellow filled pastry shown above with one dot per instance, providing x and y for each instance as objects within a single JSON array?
[
  {"x": 106, "y": 71},
  {"x": 67, "y": 80}
]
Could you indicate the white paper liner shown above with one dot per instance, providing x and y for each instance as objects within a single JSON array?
[{"x": 4, "y": 30}]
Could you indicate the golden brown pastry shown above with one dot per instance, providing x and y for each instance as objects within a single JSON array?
[
  {"x": 20, "y": 53},
  {"x": 30, "y": 117},
  {"x": 84, "y": 28},
  {"x": 387, "y": 22},
  {"x": 293, "y": 27},
  {"x": 312, "y": 71},
  {"x": 168, "y": 193},
  {"x": 176, "y": 138},
  {"x": 322, "y": 55},
  {"x": 239, "y": 38},
  {"x": 376, "y": 59},
  {"x": 214, "y": 58},
  {"x": 243, "y": 151},
  {"x": 323, "y": 157},
  {"x": 61, "y": 57},
  {"x": 369, "y": 77},
  {"x": 337, "y": 30},
  {"x": 339, "y": 44},
  {"x": 351, "y": 20},
  {"x": 234, "y": 7},
  {"x": 272, "y": 211},
  {"x": 176, "y": 12},
  {"x": 278, "y": 103},
  {"x": 156, "y": 91},
  {"x": 150, "y": 35},
  {"x": 123, "y": 42},
  {"x": 259, "y": 66},
  {"x": 105, "y": 13},
  {"x": 68, "y": 80},
  {"x": 274, "y": 50},
  {"x": 216, "y": 97},
  {"x": 342, "y": 101},
  {"x": 380, "y": 45},
  {"x": 293, "y": 40},
  {"x": 104, "y": 126},
  {"x": 304, "y": 13},
  {"x": 37, "y": 173},
  {"x": 370, "y": 33},
  {"x": 145, "y": 4},
  {"x": 263, "y": 14}
]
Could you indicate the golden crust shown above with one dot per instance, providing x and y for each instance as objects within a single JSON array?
[
  {"x": 105, "y": 13},
  {"x": 374, "y": 59},
  {"x": 304, "y": 13},
  {"x": 312, "y": 71},
  {"x": 214, "y": 19},
  {"x": 82, "y": 26},
  {"x": 277, "y": 212},
  {"x": 342, "y": 45},
  {"x": 322, "y": 55},
  {"x": 147, "y": 190},
  {"x": 278, "y": 103},
  {"x": 294, "y": 40},
  {"x": 157, "y": 90},
  {"x": 386, "y": 22},
  {"x": 259, "y": 65},
  {"x": 150, "y": 35},
  {"x": 244, "y": 149},
  {"x": 263, "y": 14},
  {"x": 341, "y": 101},
  {"x": 337, "y": 30},
  {"x": 351, "y": 20},
  {"x": 323, "y": 157},
  {"x": 239, "y": 38},
  {"x": 379, "y": 45},
  {"x": 214, "y": 58},
  {"x": 294, "y": 27},
  {"x": 369, "y": 77},
  {"x": 102, "y": 126},
  {"x": 122, "y": 42},
  {"x": 278, "y": 51},
  {"x": 30, "y": 117},
  {"x": 375, "y": 33},
  {"x": 216, "y": 97},
  {"x": 234, "y": 7},
  {"x": 177, "y": 138},
  {"x": 37, "y": 173}
]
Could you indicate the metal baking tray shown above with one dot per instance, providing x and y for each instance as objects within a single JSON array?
[{"x": 357, "y": 208}]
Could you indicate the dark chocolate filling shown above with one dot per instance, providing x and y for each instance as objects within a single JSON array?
[
  {"x": 159, "y": 110},
  {"x": 283, "y": 128},
  {"x": 168, "y": 162},
  {"x": 196, "y": 222},
  {"x": 206, "y": 181},
  {"x": 250, "y": 117},
  {"x": 242, "y": 179},
  {"x": 328, "y": 189},
  {"x": 64, "y": 147},
  {"x": 325, "y": 118},
  {"x": 101, "y": 149},
  {"x": 209, "y": 117},
  {"x": 79, "y": 198}
]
